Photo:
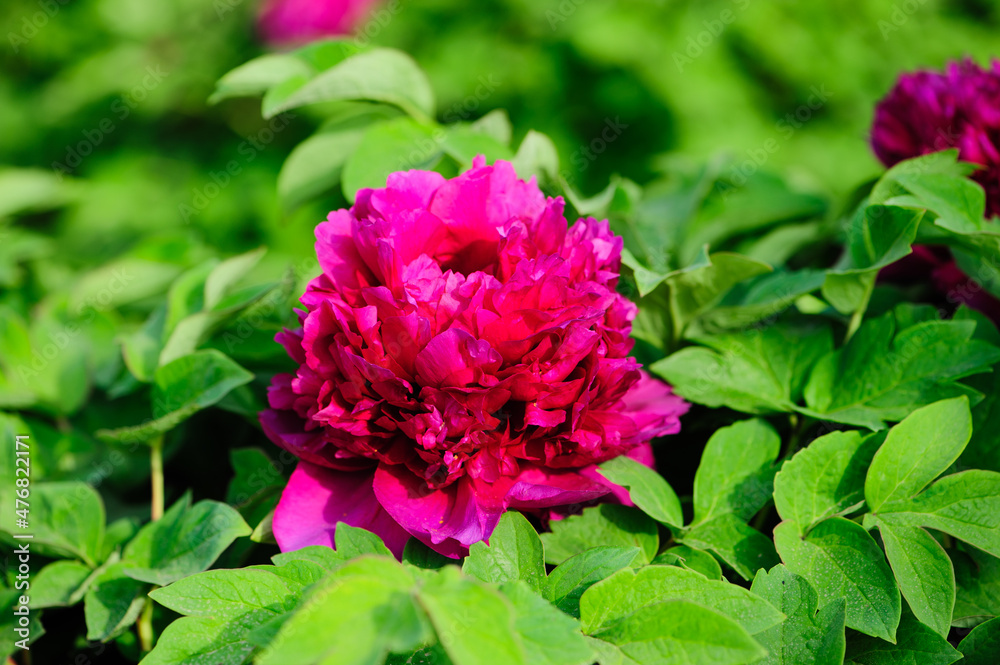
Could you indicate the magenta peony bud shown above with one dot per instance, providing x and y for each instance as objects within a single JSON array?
[
  {"x": 463, "y": 352},
  {"x": 931, "y": 111},
  {"x": 295, "y": 22}
]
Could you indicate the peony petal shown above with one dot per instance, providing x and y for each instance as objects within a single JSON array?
[
  {"x": 455, "y": 358},
  {"x": 448, "y": 520},
  {"x": 317, "y": 498},
  {"x": 537, "y": 487}
]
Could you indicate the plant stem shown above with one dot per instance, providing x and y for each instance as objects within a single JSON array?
[
  {"x": 794, "y": 439},
  {"x": 859, "y": 313},
  {"x": 145, "y": 627},
  {"x": 156, "y": 476}
]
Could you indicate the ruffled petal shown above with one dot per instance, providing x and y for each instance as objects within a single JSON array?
[
  {"x": 317, "y": 498},
  {"x": 448, "y": 520}
]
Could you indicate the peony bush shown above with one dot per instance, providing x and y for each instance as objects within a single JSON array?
[{"x": 713, "y": 419}]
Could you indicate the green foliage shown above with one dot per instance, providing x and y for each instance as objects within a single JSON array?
[
  {"x": 138, "y": 305},
  {"x": 514, "y": 554},
  {"x": 808, "y": 636}
]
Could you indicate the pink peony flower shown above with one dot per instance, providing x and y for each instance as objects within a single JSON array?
[
  {"x": 931, "y": 111},
  {"x": 292, "y": 22},
  {"x": 462, "y": 353}
]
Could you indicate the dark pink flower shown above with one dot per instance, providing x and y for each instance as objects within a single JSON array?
[
  {"x": 930, "y": 111},
  {"x": 293, "y": 22},
  {"x": 462, "y": 353}
]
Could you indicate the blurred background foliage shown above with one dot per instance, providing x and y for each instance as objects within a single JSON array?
[
  {"x": 687, "y": 78},
  {"x": 121, "y": 186},
  {"x": 119, "y": 176}
]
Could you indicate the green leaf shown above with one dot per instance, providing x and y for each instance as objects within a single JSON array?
[
  {"x": 983, "y": 451},
  {"x": 627, "y": 591},
  {"x": 112, "y": 603},
  {"x": 548, "y": 636},
  {"x": 918, "y": 450},
  {"x": 353, "y": 542},
  {"x": 32, "y": 190},
  {"x": 736, "y": 471},
  {"x": 186, "y": 540},
  {"x": 923, "y": 572},
  {"x": 9, "y": 623},
  {"x": 197, "y": 380},
  {"x": 222, "y": 608},
  {"x": 965, "y": 505},
  {"x": 419, "y": 555},
  {"x": 378, "y": 75},
  {"x": 878, "y": 236},
  {"x": 826, "y": 478},
  {"x": 603, "y": 525},
  {"x": 141, "y": 349},
  {"x": 58, "y": 584},
  {"x": 318, "y": 554},
  {"x": 181, "y": 389},
  {"x": 884, "y": 374},
  {"x": 381, "y": 618},
  {"x": 258, "y": 75},
  {"x": 194, "y": 330},
  {"x": 187, "y": 294},
  {"x": 742, "y": 547},
  {"x": 228, "y": 594},
  {"x": 464, "y": 143},
  {"x": 315, "y": 166},
  {"x": 514, "y": 553},
  {"x": 570, "y": 579},
  {"x": 397, "y": 145},
  {"x": 915, "y": 644},
  {"x": 761, "y": 297},
  {"x": 647, "y": 489},
  {"x": 66, "y": 519},
  {"x": 228, "y": 274},
  {"x": 679, "y": 632},
  {"x": 757, "y": 371},
  {"x": 977, "y": 575},
  {"x": 958, "y": 202},
  {"x": 474, "y": 623},
  {"x": 691, "y": 559},
  {"x": 200, "y": 641},
  {"x": 981, "y": 646},
  {"x": 750, "y": 206},
  {"x": 495, "y": 124},
  {"x": 808, "y": 636},
  {"x": 537, "y": 156},
  {"x": 696, "y": 288},
  {"x": 840, "y": 560},
  {"x": 256, "y": 484}
]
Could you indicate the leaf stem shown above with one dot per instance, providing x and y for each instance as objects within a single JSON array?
[
  {"x": 145, "y": 627},
  {"x": 794, "y": 439},
  {"x": 859, "y": 313},
  {"x": 156, "y": 476}
]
